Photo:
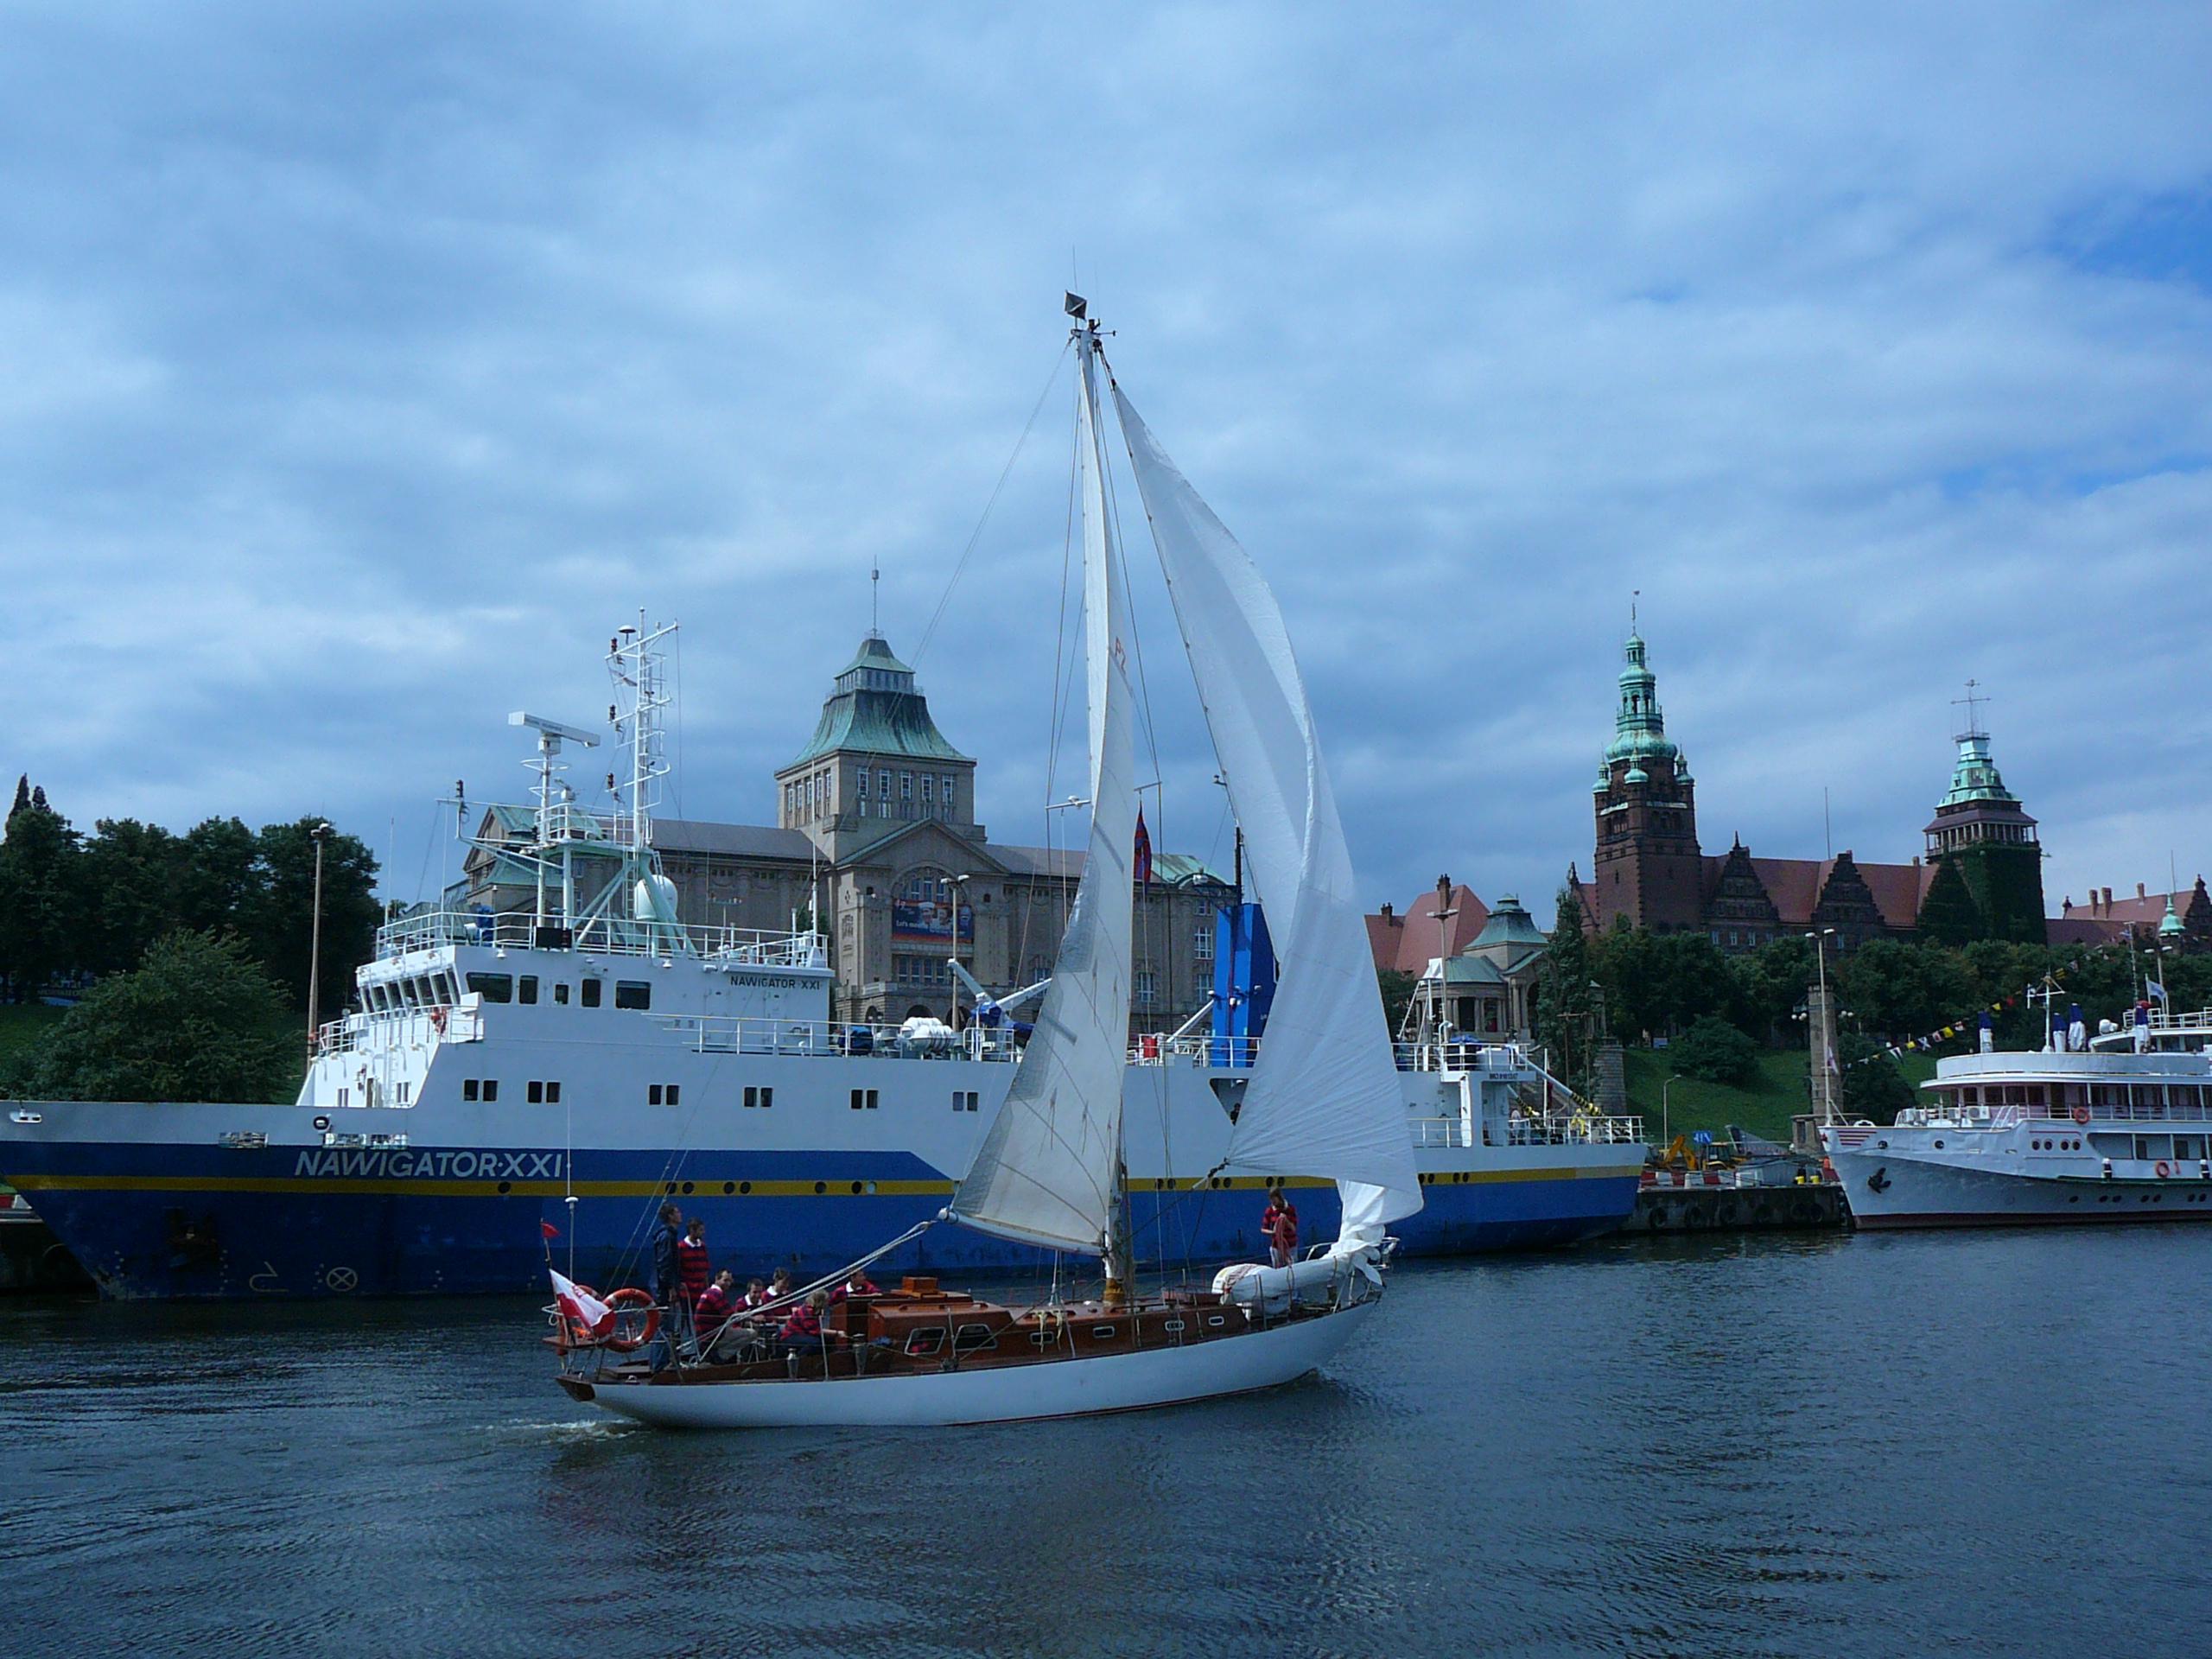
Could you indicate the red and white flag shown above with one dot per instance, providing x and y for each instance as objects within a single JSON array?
[{"x": 583, "y": 1309}]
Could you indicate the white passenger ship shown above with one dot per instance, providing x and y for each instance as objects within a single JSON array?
[
  {"x": 2120, "y": 1130},
  {"x": 513, "y": 1086}
]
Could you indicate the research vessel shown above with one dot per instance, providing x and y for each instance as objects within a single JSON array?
[{"x": 512, "y": 1089}]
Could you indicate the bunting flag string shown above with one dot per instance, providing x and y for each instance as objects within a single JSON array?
[{"x": 1964, "y": 1025}]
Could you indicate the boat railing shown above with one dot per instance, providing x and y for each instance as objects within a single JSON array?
[
  {"x": 401, "y": 1027},
  {"x": 1463, "y": 1054},
  {"x": 2008, "y": 1116},
  {"x": 828, "y": 1038},
  {"x": 601, "y": 936}
]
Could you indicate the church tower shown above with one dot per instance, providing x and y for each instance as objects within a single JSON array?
[
  {"x": 1980, "y": 830},
  {"x": 1649, "y": 867}
]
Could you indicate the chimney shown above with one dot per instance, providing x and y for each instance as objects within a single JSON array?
[
  {"x": 2139, "y": 894},
  {"x": 2107, "y": 901},
  {"x": 1386, "y": 911}
]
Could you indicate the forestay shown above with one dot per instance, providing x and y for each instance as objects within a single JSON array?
[
  {"x": 1325, "y": 1098},
  {"x": 1049, "y": 1169}
]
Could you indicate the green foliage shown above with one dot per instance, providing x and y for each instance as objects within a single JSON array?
[
  {"x": 199, "y": 1020},
  {"x": 1398, "y": 988},
  {"x": 1769, "y": 988},
  {"x": 1873, "y": 1087},
  {"x": 280, "y": 917},
  {"x": 1659, "y": 983},
  {"x": 1896, "y": 991},
  {"x": 1947, "y": 915},
  {"x": 71, "y": 905},
  {"x": 42, "y": 899},
  {"x": 1564, "y": 1015},
  {"x": 1714, "y": 1051}
]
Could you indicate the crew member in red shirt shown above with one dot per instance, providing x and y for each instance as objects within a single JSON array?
[
  {"x": 858, "y": 1285},
  {"x": 692, "y": 1268},
  {"x": 1281, "y": 1226},
  {"x": 802, "y": 1332}
]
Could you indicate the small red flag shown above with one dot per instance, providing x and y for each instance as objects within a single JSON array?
[
  {"x": 1141, "y": 860},
  {"x": 548, "y": 1230}
]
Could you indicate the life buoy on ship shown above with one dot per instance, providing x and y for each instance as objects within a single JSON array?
[
  {"x": 438, "y": 1018},
  {"x": 2081, "y": 1115},
  {"x": 630, "y": 1297},
  {"x": 2165, "y": 1169}
]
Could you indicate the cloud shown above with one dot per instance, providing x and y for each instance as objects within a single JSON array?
[{"x": 366, "y": 370}]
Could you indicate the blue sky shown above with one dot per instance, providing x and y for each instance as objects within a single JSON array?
[{"x": 365, "y": 368}]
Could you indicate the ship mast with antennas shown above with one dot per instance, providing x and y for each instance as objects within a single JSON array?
[{"x": 636, "y": 659}]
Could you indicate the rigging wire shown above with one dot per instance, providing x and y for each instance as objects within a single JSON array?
[{"x": 977, "y": 535}]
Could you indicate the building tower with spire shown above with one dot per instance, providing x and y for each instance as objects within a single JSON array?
[
  {"x": 1649, "y": 868},
  {"x": 1980, "y": 830}
]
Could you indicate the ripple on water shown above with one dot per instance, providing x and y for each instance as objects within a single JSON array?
[{"x": 1790, "y": 1447}]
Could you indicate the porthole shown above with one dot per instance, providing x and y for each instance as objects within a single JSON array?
[
  {"x": 668, "y": 1189},
  {"x": 1101, "y": 1333},
  {"x": 1939, "y": 1145},
  {"x": 867, "y": 1186},
  {"x": 506, "y": 1186},
  {"x": 856, "y": 1189},
  {"x": 820, "y": 1187},
  {"x": 744, "y": 1187},
  {"x": 687, "y": 1189},
  {"x": 728, "y": 1187},
  {"x": 1214, "y": 1320},
  {"x": 1173, "y": 1326}
]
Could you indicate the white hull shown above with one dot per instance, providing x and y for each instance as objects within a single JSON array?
[
  {"x": 1073, "y": 1388},
  {"x": 1927, "y": 1190}
]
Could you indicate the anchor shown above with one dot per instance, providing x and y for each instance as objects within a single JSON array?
[{"x": 1879, "y": 1180}]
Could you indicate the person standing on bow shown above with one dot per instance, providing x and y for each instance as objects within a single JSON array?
[
  {"x": 1279, "y": 1224},
  {"x": 668, "y": 1277}
]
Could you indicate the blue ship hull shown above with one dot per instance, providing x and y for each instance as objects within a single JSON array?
[{"x": 170, "y": 1221}]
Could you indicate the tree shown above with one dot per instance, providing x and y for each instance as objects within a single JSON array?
[
  {"x": 200, "y": 1020},
  {"x": 23, "y": 794},
  {"x": 280, "y": 921},
  {"x": 1714, "y": 1051},
  {"x": 40, "y": 895},
  {"x": 1398, "y": 987},
  {"x": 1770, "y": 983},
  {"x": 1564, "y": 1025},
  {"x": 218, "y": 882},
  {"x": 131, "y": 873},
  {"x": 1948, "y": 914}
]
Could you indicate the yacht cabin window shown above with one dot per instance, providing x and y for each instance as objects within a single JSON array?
[{"x": 588, "y": 992}]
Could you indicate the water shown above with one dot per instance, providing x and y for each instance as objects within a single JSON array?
[{"x": 1982, "y": 1443}]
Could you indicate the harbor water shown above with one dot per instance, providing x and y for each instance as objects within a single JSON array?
[{"x": 1770, "y": 1444}]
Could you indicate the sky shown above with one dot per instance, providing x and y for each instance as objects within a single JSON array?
[{"x": 365, "y": 367}]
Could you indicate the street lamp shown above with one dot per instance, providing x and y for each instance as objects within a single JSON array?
[
  {"x": 319, "y": 835},
  {"x": 1666, "y": 1134},
  {"x": 1827, "y": 1027}
]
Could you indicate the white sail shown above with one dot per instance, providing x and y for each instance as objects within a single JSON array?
[
  {"x": 1325, "y": 1098},
  {"x": 1049, "y": 1169}
]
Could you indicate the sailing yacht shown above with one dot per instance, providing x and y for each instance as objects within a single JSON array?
[{"x": 1324, "y": 1098}]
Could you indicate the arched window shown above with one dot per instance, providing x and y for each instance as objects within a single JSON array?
[{"x": 926, "y": 886}]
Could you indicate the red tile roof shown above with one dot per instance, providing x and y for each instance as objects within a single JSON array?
[{"x": 1406, "y": 940}]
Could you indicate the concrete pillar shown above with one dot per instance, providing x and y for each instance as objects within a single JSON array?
[
  {"x": 1610, "y": 1080},
  {"x": 1820, "y": 1026}
]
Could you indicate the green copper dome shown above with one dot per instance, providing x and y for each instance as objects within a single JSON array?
[
  {"x": 2170, "y": 925},
  {"x": 1639, "y": 729},
  {"x": 876, "y": 708},
  {"x": 1975, "y": 778}
]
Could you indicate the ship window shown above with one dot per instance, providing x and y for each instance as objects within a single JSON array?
[
  {"x": 342, "y": 1096},
  {"x": 2034, "y": 1092},
  {"x": 632, "y": 994},
  {"x": 763, "y": 1098},
  {"x": 493, "y": 987},
  {"x": 1971, "y": 1096},
  {"x": 528, "y": 988},
  {"x": 966, "y": 1100},
  {"x": 927, "y": 1341},
  {"x": 406, "y": 988},
  {"x": 469, "y": 1087},
  {"x": 588, "y": 992},
  {"x": 864, "y": 1099},
  {"x": 553, "y": 1093},
  {"x": 652, "y": 1094},
  {"x": 537, "y": 1091},
  {"x": 561, "y": 992},
  {"x": 490, "y": 1087},
  {"x": 971, "y": 1337}
]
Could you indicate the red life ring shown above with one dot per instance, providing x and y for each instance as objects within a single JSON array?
[
  {"x": 2165, "y": 1169},
  {"x": 438, "y": 1018},
  {"x": 630, "y": 1297},
  {"x": 2081, "y": 1115}
]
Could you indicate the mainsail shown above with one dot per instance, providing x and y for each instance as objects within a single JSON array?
[
  {"x": 1049, "y": 1170},
  {"x": 1324, "y": 1098}
]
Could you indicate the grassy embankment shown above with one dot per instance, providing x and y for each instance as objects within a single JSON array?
[
  {"x": 23, "y": 1027},
  {"x": 1764, "y": 1106}
]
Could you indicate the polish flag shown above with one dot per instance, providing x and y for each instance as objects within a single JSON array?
[{"x": 583, "y": 1310}]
